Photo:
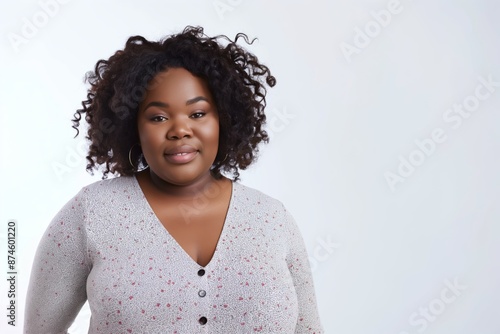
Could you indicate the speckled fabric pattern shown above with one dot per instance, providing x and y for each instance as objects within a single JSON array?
[{"x": 106, "y": 245}]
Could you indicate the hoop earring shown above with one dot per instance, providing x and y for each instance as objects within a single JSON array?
[{"x": 141, "y": 166}]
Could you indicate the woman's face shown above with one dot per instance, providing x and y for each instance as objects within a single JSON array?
[{"x": 178, "y": 127}]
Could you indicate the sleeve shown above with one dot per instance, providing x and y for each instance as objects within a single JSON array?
[
  {"x": 298, "y": 263},
  {"x": 57, "y": 288}
]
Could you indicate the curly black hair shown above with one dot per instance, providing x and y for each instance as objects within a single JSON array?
[{"x": 118, "y": 85}]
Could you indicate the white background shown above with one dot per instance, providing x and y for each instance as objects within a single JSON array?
[{"x": 382, "y": 257}]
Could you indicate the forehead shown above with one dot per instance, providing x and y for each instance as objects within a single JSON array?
[{"x": 176, "y": 84}]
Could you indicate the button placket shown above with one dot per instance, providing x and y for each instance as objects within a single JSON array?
[{"x": 203, "y": 300}]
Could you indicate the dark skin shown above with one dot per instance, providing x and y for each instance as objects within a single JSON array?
[{"x": 178, "y": 128}]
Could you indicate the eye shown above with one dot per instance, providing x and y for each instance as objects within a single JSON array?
[
  {"x": 198, "y": 114},
  {"x": 158, "y": 118}
]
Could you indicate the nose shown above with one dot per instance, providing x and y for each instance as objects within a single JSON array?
[{"x": 179, "y": 129}]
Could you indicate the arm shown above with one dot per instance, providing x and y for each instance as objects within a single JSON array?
[
  {"x": 57, "y": 290},
  {"x": 298, "y": 263}
]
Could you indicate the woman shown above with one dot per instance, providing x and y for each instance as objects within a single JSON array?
[{"x": 172, "y": 245}]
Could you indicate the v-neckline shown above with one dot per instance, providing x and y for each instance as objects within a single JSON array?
[{"x": 159, "y": 224}]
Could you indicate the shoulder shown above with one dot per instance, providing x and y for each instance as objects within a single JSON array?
[
  {"x": 257, "y": 200},
  {"x": 110, "y": 185},
  {"x": 109, "y": 188},
  {"x": 252, "y": 194},
  {"x": 265, "y": 212}
]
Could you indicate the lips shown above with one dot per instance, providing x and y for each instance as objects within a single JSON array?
[{"x": 181, "y": 154}]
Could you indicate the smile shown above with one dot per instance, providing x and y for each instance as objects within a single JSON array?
[{"x": 181, "y": 157}]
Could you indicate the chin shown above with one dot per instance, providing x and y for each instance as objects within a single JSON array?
[{"x": 183, "y": 177}]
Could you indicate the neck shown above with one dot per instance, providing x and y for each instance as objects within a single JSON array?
[{"x": 205, "y": 184}]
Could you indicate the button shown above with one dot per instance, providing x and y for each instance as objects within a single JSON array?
[
  {"x": 201, "y": 272},
  {"x": 202, "y": 320},
  {"x": 202, "y": 293}
]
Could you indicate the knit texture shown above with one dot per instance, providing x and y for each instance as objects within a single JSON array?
[{"x": 106, "y": 245}]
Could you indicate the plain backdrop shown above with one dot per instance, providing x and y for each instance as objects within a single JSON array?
[{"x": 384, "y": 142}]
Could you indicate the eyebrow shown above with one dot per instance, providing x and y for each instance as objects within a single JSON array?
[
  {"x": 165, "y": 105},
  {"x": 196, "y": 99}
]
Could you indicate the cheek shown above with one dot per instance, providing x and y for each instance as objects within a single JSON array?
[
  {"x": 148, "y": 133},
  {"x": 149, "y": 138},
  {"x": 210, "y": 133}
]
